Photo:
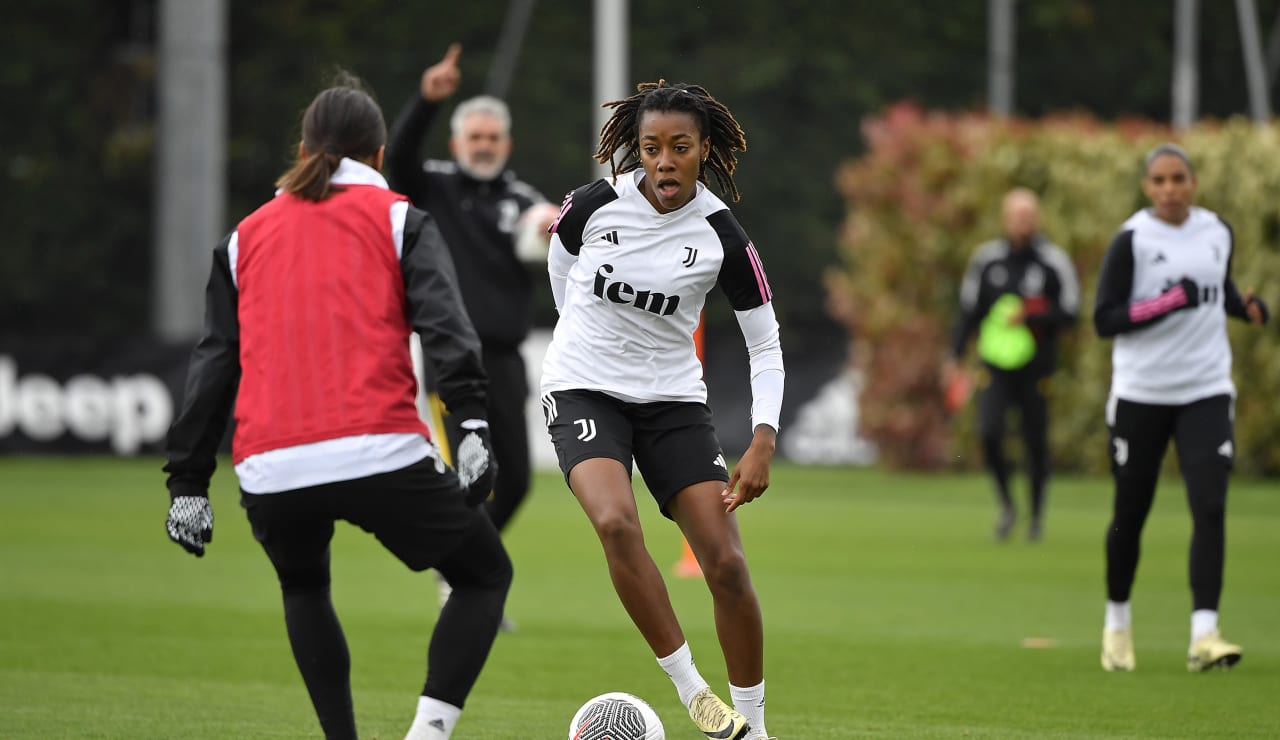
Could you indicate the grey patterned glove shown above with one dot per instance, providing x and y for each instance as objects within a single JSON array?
[
  {"x": 476, "y": 466},
  {"x": 190, "y": 523}
]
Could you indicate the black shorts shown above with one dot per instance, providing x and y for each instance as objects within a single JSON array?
[
  {"x": 1203, "y": 431},
  {"x": 673, "y": 443},
  {"x": 418, "y": 513}
]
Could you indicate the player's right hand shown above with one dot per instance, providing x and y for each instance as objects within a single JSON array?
[
  {"x": 441, "y": 79},
  {"x": 190, "y": 523}
]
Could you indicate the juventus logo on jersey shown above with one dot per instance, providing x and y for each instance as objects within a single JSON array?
[
  {"x": 588, "y": 427},
  {"x": 690, "y": 256},
  {"x": 610, "y": 236}
]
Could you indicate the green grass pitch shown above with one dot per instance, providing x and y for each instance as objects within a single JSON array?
[{"x": 889, "y": 613}]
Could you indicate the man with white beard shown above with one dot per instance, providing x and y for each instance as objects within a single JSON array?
[{"x": 496, "y": 229}]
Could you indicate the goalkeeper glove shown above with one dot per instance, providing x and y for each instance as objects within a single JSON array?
[
  {"x": 190, "y": 523},
  {"x": 476, "y": 465}
]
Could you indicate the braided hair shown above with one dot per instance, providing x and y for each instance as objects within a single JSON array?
[{"x": 622, "y": 130}]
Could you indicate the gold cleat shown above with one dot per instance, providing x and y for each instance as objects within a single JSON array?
[
  {"x": 1211, "y": 651},
  {"x": 716, "y": 719},
  {"x": 1117, "y": 650}
]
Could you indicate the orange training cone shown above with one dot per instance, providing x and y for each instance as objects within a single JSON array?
[{"x": 688, "y": 566}]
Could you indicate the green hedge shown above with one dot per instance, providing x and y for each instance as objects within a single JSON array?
[{"x": 928, "y": 191}]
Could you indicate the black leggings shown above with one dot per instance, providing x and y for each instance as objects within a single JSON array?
[
  {"x": 419, "y": 515},
  {"x": 1202, "y": 432},
  {"x": 1021, "y": 389}
]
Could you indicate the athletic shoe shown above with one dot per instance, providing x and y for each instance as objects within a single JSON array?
[
  {"x": 1117, "y": 650},
  {"x": 715, "y": 718},
  {"x": 1004, "y": 524},
  {"x": 1035, "y": 531},
  {"x": 1211, "y": 651}
]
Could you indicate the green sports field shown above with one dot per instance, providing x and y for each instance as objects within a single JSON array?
[{"x": 889, "y": 612}]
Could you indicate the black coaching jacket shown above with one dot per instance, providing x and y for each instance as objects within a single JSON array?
[{"x": 477, "y": 220}]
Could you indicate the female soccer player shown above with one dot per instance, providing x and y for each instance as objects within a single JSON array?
[
  {"x": 309, "y": 311},
  {"x": 1164, "y": 293},
  {"x": 632, "y": 260}
]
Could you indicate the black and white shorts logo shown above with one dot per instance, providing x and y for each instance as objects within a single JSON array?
[
  {"x": 1227, "y": 450},
  {"x": 549, "y": 410},
  {"x": 588, "y": 429}
]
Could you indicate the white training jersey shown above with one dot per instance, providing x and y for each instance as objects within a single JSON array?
[
  {"x": 635, "y": 284},
  {"x": 1185, "y": 356}
]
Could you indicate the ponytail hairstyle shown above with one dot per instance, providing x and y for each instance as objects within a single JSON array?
[
  {"x": 622, "y": 130},
  {"x": 342, "y": 121}
]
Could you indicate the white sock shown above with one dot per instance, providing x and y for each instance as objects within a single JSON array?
[
  {"x": 1203, "y": 621},
  {"x": 750, "y": 704},
  {"x": 1119, "y": 616},
  {"x": 680, "y": 669},
  {"x": 434, "y": 721}
]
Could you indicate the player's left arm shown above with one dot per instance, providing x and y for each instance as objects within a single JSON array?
[
  {"x": 750, "y": 477},
  {"x": 1248, "y": 307},
  {"x": 745, "y": 284}
]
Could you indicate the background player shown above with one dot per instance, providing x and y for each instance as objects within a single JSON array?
[
  {"x": 1025, "y": 265},
  {"x": 483, "y": 212},
  {"x": 1164, "y": 293}
]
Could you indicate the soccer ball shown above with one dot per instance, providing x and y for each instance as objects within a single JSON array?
[{"x": 616, "y": 716}]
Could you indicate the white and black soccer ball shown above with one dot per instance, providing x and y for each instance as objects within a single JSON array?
[{"x": 616, "y": 716}]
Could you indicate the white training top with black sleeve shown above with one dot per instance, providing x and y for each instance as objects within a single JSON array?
[
  {"x": 1167, "y": 351},
  {"x": 630, "y": 284}
]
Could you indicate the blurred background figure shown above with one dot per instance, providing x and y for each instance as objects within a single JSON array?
[
  {"x": 496, "y": 228},
  {"x": 1164, "y": 293},
  {"x": 1018, "y": 293}
]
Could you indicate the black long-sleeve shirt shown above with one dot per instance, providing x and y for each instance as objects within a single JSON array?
[
  {"x": 478, "y": 221},
  {"x": 1041, "y": 274}
]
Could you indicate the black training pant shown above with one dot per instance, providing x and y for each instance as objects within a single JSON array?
[
  {"x": 417, "y": 513},
  {"x": 1019, "y": 389},
  {"x": 1202, "y": 432}
]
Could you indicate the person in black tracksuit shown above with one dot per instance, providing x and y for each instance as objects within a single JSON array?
[
  {"x": 1025, "y": 264},
  {"x": 480, "y": 207}
]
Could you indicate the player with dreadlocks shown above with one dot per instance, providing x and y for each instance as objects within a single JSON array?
[{"x": 632, "y": 260}]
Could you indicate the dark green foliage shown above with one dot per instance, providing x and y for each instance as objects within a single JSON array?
[{"x": 78, "y": 85}]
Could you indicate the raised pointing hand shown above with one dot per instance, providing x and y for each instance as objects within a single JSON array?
[{"x": 441, "y": 79}]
